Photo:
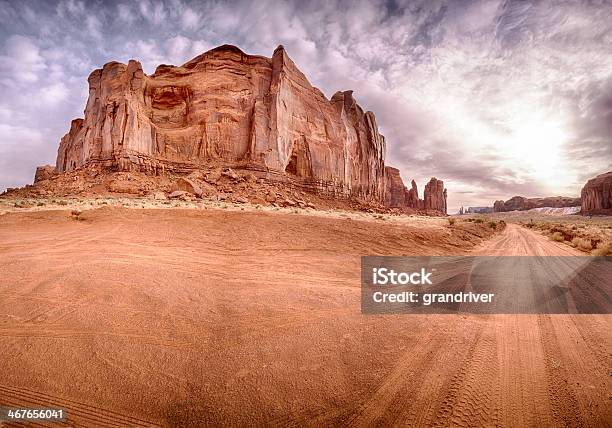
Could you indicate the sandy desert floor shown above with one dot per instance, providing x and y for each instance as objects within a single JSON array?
[{"x": 199, "y": 317}]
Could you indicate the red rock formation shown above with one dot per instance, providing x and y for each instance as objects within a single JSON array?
[
  {"x": 398, "y": 196},
  {"x": 396, "y": 192},
  {"x": 520, "y": 203},
  {"x": 44, "y": 172},
  {"x": 596, "y": 195},
  {"x": 224, "y": 106},
  {"x": 412, "y": 197},
  {"x": 435, "y": 195}
]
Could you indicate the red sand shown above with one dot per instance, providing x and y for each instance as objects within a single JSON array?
[{"x": 172, "y": 317}]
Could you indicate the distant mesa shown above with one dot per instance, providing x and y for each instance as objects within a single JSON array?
[
  {"x": 225, "y": 108},
  {"x": 595, "y": 198},
  {"x": 478, "y": 210},
  {"x": 520, "y": 203}
]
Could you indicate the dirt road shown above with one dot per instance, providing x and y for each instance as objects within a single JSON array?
[
  {"x": 179, "y": 318},
  {"x": 520, "y": 241}
]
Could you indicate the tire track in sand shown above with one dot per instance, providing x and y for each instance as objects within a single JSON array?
[{"x": 78, "y": 414}]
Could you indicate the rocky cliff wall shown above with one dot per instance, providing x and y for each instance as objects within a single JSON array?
[{"x": 227, "y": 107}]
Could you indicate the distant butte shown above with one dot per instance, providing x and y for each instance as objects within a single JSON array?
[
  {"x": 228, "y": 109},
  {"x": 597, "y": 195}
]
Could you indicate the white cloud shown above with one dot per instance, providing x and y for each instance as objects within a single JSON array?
[
  {"x": 21, "y": 61},
  {"x": 125, "y": 13},
  {"x": 94, "y": 26},
  {"x": 154, "y": 12},
  {"x": 70, "y": 7},
  {"x": 53, "y": 94},
  {"x": 190, "y": 18}
]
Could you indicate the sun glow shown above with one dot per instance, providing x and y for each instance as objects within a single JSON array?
[{"x": 537, "y": 146}]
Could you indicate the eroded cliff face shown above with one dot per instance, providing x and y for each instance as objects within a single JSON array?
[
  {"x": 596, "y": 195},
  {"x": 227, "y": 107},
  {"x": 397, "y": 195}
]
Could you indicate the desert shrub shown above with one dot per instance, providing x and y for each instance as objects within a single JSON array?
[
  {"x": 557, "y": 236},
  {"x": 493, "y": 225},
  {"x": 479, "y": 220},
  {"x": 76, "y": 214},
  {"x": 603, "y": 249},
  {"x": 62, "y": 202},
  {"x": 582, "y": 244},
  {"x": 40, "y": 204},
  {"x": 451, "y": 221}
]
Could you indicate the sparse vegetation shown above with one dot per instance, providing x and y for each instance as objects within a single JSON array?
[
  {"x": 582, "y": 244},
  {"x": 556, "y": 236},
  {"x": 493, "y": 224},
  {"x": 452, "y": 221},
  {"x": 590, "y": 235},
  {"x": 603, "y": 249},
  {"x": 76, "y": 214}
]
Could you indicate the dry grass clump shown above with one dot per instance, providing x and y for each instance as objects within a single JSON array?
[
  {"x": 452, "y": 221},
  {"x": 556, "y": 236},
  {"x": 582, "y": 244},
  {"x": 603, "y": 249}
]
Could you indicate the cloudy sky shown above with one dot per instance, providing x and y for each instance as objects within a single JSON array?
[{"x": 497, "y": 98}]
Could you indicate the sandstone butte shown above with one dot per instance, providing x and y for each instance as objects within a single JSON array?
[
  {"x": 596, "y": 195},
  {"x": 246, "y": 112}
]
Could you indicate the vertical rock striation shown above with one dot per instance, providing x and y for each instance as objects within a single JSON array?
[{"x": 596, "y": 195}]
